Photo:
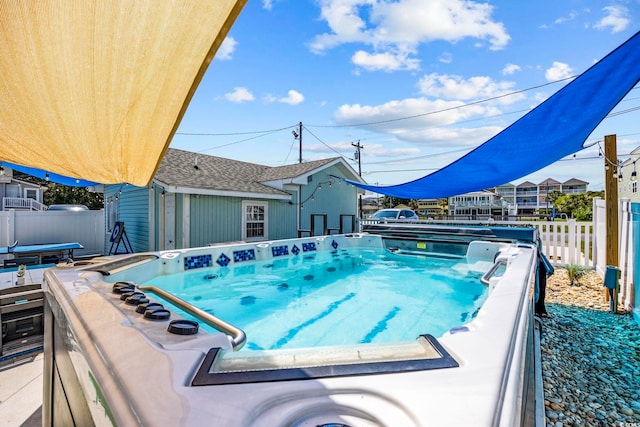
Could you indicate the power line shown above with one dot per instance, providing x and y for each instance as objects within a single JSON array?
[
  {"x": 324, "y": 143},
  {"x": 481, "y": 101},
  {"x": 240, "y": 141}
]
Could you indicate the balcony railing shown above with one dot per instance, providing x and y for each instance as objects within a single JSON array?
[{"x": 22, "y": 203}]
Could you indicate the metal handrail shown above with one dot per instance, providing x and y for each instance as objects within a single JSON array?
[
  {"x": 487, "y": 276},
  {"x": 238, "y": 337}
]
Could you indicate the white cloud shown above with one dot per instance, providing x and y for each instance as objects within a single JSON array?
[
  {"x": 293, "y": 98},
  {"x": 455, "y": 87},
  {"x": 559, "y": 21},
  {"x": 267, "y": 4},
  {"x": 239, "y": 94},
  {"x": 451, "y": 136},
  {"x": 446, "y": 58},
  {"x": 423, "y": 127},
  {"x": 379, "y": 150},
  {"x": 226, "y": 49},
  {"x": 371, "y": 150},
  {"x": 558, "y": 71},
  {"x": 510, "y": 69},
  {"x": 570, "y": 17},
  {"x": 384, "y": 61},
  {"x": 616, "y": 19},
  {"x": 401, "y": 26}
]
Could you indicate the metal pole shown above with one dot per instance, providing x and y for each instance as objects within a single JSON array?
[
  {"x": 300, "y": 145},
  {"x": 358, "y": 147}
]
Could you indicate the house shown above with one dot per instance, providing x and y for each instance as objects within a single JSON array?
[
  {"x": 432, "y": 208},
  {"x": 510, "y": 199},
  {"x": 369, "y": 206},
  {"x": 477, "y": 204},
  {"x": 19, "y": 195},
  {"x": 545, "y": 188},
  {"x": 198, "y": 200},
  {"x": 628, "y": 177}
]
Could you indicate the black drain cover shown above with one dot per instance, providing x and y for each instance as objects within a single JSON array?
[
  {"x": 160, "y": 314},
  {"x": 183, "y": 327}
]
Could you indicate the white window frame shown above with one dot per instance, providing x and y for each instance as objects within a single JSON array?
[
  {"x": 246, "y": 204},
  {"x": 32, "y": 191}
]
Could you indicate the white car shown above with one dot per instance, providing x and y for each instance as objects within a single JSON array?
[{"x": 393, "y": 215}]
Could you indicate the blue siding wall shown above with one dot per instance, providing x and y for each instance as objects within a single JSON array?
[
  {"x": 282, "y": 220},
  {"x": 218, "y": 219},
  {"x": 214, "y": 219},
  {"x": 133, "y": 209},
  {"x": 324, "y": 195}
]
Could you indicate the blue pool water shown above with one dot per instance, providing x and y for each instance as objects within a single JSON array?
[{"x": 333, "y": 298}]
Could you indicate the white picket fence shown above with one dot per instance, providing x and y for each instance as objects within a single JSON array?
[
  {"x": 563, "y": 242},
  {"x": 569, "y": 242},
  {"x": 626, "y": 247}
]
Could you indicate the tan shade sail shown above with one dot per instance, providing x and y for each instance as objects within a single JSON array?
[{"x": 95, "y": 89}]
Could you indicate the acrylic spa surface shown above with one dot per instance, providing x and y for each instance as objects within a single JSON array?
[{"x": 131, "y": 371}]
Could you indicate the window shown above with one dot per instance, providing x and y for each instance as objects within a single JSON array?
[
  {"x": 12, "y": 190},
  {"x": 31, "y": 193},
  {"x": 254, "y": 221},
  {"x": 634, "y": 187}
]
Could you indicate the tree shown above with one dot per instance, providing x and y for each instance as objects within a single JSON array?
[
  {"x": 391, "y": 202},
  {"x": 58, "y": 194},
  {"x": 553, "y": 196},
  {"x": 444, "y": 204},
  {"x": 579, "y": 205}
]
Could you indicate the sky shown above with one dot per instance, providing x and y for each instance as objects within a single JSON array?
[{"x": 416, "y": 83}]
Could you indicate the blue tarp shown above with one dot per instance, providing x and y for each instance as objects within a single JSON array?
[
  {"x": 556, "y": 128},
  {"x": 52, "y": 177}
]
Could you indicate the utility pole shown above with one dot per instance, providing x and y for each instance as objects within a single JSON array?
[
  {"x": 298, "y": 136},
  {"x": 357, "y": 155},
  {"x": 300, "y": 139}
]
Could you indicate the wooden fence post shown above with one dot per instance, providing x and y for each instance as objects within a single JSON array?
[{"x": 611, "y": 201}]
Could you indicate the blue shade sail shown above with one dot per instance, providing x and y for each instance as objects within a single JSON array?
[
  {"x": 556, "y": 128},
  {"x": 52, "y": 177}
]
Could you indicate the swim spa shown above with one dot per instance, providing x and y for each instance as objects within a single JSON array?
[
  {"x": 343, "y": 296},
  {"x": 115, "y": 365}
]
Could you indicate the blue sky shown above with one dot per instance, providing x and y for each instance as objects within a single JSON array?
[{"x": 387, "y": 74}]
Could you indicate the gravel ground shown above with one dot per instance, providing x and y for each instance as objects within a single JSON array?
[{"x": 590, "y": 357}]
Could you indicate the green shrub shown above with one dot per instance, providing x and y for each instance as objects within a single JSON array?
[{"x": 575, "y": 271}]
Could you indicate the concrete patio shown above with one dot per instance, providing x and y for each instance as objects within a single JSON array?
[{"x": 21, "y": 382}]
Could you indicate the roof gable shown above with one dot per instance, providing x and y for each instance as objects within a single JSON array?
[
  {"x": 575, "y": 181},
  {"x": 550, "y": 181}
]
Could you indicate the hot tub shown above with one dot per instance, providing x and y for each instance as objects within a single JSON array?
[{"x": 107, "y": 362}]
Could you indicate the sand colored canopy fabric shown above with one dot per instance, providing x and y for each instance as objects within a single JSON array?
[{"x": 95, "y": 89}]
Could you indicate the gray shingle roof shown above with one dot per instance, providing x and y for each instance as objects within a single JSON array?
[
  {"x": 217, "y": 173},
  {"x": 574, "y": 181}
]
